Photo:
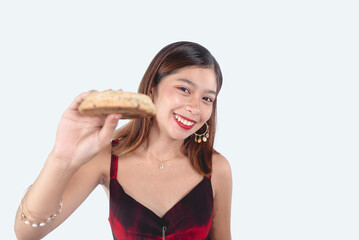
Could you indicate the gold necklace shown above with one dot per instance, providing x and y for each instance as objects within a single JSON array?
[{"x": 161, "y": 161}]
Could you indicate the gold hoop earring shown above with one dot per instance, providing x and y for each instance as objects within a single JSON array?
[{"x": 203, "y": 136}]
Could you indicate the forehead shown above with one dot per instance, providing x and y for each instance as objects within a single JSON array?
[{"x": 201, "y": 77}]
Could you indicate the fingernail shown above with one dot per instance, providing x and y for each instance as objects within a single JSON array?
[{"x": 116, "y": 117}]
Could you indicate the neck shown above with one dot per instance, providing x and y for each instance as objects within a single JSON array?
[{"x": 161, "y": 146}]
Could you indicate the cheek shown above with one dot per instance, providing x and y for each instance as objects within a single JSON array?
[
  {"x": 207, "y": 113},
  {"x": 176, "y": 100},
  {"x": 171, "y": 99},
  {"x": 166, "y": 103}
]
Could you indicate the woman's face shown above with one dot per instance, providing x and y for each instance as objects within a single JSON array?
[{"x": 184, "y": 101}]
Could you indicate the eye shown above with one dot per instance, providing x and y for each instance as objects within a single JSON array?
[
  {"x": 183, "y": 89},
  {"x": 208, "y": 99}
]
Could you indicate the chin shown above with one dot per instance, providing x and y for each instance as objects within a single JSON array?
[{"x": 180, "y": 136}]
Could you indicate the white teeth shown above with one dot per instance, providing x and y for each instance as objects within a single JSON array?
[{"x": 185, "y": 122}]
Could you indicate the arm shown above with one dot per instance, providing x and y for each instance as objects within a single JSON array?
[
  {"x": 72, "y": 170},
  {"x": 73, "y": 189},
  {"x": 222, "y": 185}
]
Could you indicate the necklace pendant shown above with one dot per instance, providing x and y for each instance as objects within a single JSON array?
[{"x": 161, "y": 166}]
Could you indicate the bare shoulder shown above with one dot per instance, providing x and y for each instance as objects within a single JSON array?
[
  {"x": 222, "y": 192},
  {"x": 221, "y": 173},
  {"x": 220, "y": 164}
]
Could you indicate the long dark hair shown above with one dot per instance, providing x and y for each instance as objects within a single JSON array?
[{"x": 171, "y": 58}]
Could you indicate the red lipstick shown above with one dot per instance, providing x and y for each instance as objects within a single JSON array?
[{"x": 184, "y": 126}]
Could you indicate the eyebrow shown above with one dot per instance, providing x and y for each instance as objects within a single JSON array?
[{"x": 189, "y": 82}]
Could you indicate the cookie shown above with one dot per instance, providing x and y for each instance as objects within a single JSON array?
[{"x": 130, "y": 105}]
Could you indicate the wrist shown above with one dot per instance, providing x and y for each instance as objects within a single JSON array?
[{"x": 62, "y": 163}]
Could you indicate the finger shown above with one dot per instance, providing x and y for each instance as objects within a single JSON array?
[
  {"x": 93, "y": 121},
  {"x": 78, "y": 100},
  {"x": 109, "y": 128},
  {"x": 96, "y": 121}
]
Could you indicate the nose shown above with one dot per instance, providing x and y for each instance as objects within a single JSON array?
[{"x": 193, "y": 107}]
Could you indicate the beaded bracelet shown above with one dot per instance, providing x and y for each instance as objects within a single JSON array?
[{"x": 35, "y": 223}]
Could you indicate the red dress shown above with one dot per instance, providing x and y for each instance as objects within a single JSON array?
[{"x": 188, "y": 219}]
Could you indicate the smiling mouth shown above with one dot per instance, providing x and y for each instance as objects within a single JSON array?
[{"x": 184, "y": 122}]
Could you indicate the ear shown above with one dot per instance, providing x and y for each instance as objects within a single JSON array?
[{"x": 153, "y": 93}]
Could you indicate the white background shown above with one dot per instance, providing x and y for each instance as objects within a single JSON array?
[{"x": 288, "y": 111}]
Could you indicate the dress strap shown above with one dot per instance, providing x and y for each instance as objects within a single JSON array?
[{"x": 114, "y": 163}]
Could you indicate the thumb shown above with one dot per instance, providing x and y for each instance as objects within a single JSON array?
[{"x": 108, "y": 128}]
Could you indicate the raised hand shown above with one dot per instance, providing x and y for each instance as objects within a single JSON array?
[{"x": 79, "y": 138}]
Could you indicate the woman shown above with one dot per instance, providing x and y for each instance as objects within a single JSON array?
[{"x": 163, "y": 178}]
